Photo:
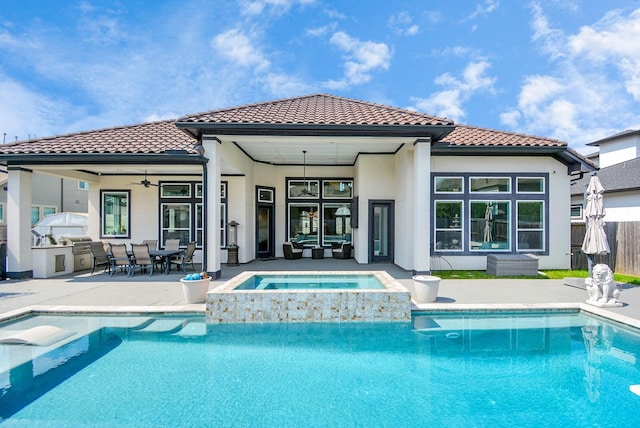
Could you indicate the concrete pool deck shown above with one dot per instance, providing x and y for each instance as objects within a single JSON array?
[{"x": 163, "y": 293}]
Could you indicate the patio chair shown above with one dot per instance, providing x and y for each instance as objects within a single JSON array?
[
  {"x": 341, "y": 250},
  {"x": 119, "y": 258},
  {"x": 153, "y": 245},
  {"x": 185, "y": 258},
  {"x": 292, "y": 250},
  {"x": 100, "y": 256},
  {"x": 141, "y": 259},
  {"x": 172, "y": 244}
]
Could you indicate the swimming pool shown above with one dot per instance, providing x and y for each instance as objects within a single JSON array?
[
  {"x": 309, "y": 297},
  {"x": 550, "y": 369}
]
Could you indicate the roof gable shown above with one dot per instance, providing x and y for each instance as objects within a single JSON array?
[{"x": 319, "y": 109}]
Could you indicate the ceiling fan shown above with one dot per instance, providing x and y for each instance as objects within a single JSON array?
[
  {"x": 146, "y": 183},
  {"x": 306, "y": 190}
]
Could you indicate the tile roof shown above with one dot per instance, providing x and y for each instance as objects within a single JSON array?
[
  {"x": 465, "y": 135},
  {"x": 614, "y": 178},
  {"x": 319, "y": 109},
  {"x": 146, "y": 138}
]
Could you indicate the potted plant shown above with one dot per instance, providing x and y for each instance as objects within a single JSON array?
[{"x": 195, "y": 287}]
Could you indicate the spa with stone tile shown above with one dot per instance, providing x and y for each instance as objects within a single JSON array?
[{"x": 388, "y": 302}]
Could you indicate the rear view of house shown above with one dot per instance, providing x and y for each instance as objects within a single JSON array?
[{"x": 399, "y": 186}]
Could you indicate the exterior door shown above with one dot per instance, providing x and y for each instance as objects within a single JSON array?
[
  {"x": 265, "y": 223},
  {"x": 381, "y": 225}
]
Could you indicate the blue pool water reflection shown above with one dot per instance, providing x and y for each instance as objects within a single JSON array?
[{"x": 439, "y": 370}]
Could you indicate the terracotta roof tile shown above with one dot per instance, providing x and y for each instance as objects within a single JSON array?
[
  {"x": 464, "y": 135},
  {"x": 146, "y": 138},
  {"x": 317, "y": 109}
]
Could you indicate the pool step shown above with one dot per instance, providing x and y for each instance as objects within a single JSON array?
[{"x": 171, "y": 325}]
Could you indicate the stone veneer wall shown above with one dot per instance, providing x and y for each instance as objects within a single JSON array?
[{"x": 226, "y": 305}]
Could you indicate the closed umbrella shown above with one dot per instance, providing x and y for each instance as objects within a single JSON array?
[
  {"x": 595, "y": 238},
  {"x": 488, "y": 223}
]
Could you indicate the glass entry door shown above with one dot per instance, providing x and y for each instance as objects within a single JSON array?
[
  {"x": 265, "y": 238},
  {"x": 265, "y": 222},
  {"x": 381, "y": 231}
]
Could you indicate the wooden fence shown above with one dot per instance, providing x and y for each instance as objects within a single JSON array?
[{"x": 624, "y": 241}]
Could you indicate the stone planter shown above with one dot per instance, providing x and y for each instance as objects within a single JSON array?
[
  {"x": 195, "y": 290},
  {"x": 426, "y": 288}
]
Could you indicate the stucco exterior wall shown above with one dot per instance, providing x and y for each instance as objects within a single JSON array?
[
  {"x": 375, "y": 176},
  {"x": 559, "y": 244}
]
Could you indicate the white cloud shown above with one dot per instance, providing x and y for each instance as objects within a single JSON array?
[
  {"x": 257, "y": 7},
  {"x": 24, "y": 112},
  {"x": 450, "y": 101},
  {"x": 239, "y": 48},
  {"x": 484, "y": 9},
  {"x": 361, "y": 59},
  {"x": 596, "y": 79},
  {"x": 321, "y": 31},
  {"x": 402, "y": 23}
]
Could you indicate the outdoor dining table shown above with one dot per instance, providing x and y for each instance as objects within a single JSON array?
[{"x": 166, "y": 256}]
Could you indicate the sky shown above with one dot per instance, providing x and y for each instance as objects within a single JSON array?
[{"x": 565, "y": 69}]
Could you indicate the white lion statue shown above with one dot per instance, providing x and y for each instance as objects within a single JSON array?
[{"x": 601, "y": 287}]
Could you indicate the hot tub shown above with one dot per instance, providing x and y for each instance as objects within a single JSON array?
[{"x": 309, "y": 297}]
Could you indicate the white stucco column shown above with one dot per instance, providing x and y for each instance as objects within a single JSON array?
[
  {"x": 19, "y": 223},
  {"x": 421, "y": 206},
  {"x": 211, "y": 151}
]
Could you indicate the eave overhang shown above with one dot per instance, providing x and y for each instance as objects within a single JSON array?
[
  {"x": 198, "y": 129},
  {"x": 574, "y": 162},
  {"x": 167, "y": 158}
]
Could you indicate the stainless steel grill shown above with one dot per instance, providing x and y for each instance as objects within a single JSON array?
[{"x": 81, "y": 251}]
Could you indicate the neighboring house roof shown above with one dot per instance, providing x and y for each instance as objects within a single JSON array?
[
  {"x": 619, "y": 135},
  {"x": 620, "y": 177}
]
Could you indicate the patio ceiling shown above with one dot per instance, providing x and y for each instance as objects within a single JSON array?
[{"x": 320, "y": 150}]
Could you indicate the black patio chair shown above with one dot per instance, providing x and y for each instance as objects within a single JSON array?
[
  {"x": 341, "y": 250},
  {"x": 292, "y": 250}
]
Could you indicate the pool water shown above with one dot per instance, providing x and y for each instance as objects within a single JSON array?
[
  {"x": 311, "y": 282},
  {"x": 561, "y": 369}
]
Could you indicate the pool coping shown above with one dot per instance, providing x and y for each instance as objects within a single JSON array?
[{"x": 415, "y": 307}]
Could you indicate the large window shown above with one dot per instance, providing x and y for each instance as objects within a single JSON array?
[
  {"x": 319, "y": 210},
  {"x": 115, "y": 214},
  {"x": 487, "y": 213},
  {"x": 182, "y": 212}
]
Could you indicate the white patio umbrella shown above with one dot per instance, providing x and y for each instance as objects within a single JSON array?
[
  {"x": 595, "y": 238},
  {"x": 488, "y": 224}
]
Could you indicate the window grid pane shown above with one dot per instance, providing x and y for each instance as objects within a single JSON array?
[
  {"x": 448, "y": 226},
  {"x": 336, "y": 222},
  {"x": 115, "y": 214},
  {"x": 530, "y": 225},
  {"x": 303, "y": 223},
  {"x": 490, "y": 225}
]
